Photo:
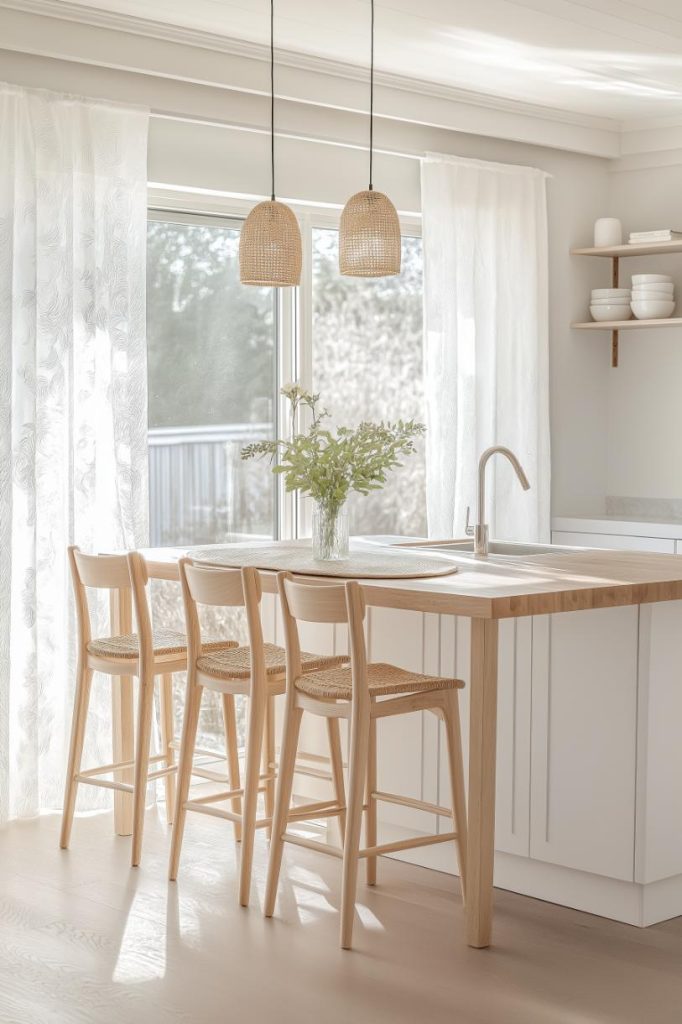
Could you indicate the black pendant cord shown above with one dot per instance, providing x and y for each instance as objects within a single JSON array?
[
  {"x": 371, "y": 100},
  {"x": 272, "y": 96}
]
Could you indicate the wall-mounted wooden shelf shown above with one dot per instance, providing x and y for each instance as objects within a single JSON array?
[
  {"x": 614, "y": 253},
  {"x": 641, "y": 249},
  {"x": 626, "y": 325}
]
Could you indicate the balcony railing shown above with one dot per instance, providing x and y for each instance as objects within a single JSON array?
[{"x": 200, "y": 490}]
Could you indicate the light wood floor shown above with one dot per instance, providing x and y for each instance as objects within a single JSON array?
[{"x": 85, "y": 938}]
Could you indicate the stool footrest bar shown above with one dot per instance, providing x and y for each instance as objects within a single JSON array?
[
  {"x": 211, "y": 776},
  {"x": 170, "y": 770},
  {"x": 323, "y": 809},
  {"x": 406, "y": 801},
  {"x": 407, "y": 844},
  {"x": 314, "y": 773},
  {"x": 216, "y": 812},
  {"x": 124, "y": 787},
  {"x": 118, "y": 766},
  {"x": 312, "y": 844}
]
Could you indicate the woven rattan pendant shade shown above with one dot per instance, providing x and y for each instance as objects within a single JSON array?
[
  {"x": 270, "y": 247},
  {"x": 369, "y": 230},
  {"x": 270, "y": 241},
  {"x": 369, "y": 236}
]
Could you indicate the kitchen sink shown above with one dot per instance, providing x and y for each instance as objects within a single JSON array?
[{"x": 508, "y": 549}]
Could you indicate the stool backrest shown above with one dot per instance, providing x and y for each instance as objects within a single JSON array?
[
  {"x": 324, "y": 603},
  {"x": 126, "y": 574},
  {"x": 222, "y": 588}
]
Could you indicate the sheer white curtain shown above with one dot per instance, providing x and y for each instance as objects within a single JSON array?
[
  {"x": 485, "y": 342},
  {"x": 73, "y": 456}
]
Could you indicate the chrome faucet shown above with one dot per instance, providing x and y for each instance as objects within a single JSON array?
[{"x": 480, "y": 531}]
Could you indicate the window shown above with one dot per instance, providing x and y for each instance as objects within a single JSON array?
[
  {"x": 214, "y": 348},
  {"x": 367, "y": 364},
  {"x": 212, "y": 385}
]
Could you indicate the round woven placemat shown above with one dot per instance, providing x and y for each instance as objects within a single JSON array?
[{"x": 277, "y": 556}]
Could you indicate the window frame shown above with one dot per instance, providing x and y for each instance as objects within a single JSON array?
[{"x": 293, "y": 308}]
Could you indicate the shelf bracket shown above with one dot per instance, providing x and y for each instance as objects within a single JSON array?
[{"x": 614, "y": 334}]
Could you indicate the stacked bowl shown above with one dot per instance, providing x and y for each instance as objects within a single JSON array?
[
  {"x": 610, "y": 304},
  {"x": 653, "y": 296}
]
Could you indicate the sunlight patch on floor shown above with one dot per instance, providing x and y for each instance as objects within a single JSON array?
[{"x": 142, "y": 953}]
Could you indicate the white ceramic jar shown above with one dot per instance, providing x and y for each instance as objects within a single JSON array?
[{"x": 608, "y": 231}]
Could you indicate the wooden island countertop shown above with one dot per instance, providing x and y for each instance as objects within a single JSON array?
[
  {"x": 506, "y": 586},
  {"x": 502, "y": 586}
]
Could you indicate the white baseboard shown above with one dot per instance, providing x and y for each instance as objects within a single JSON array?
[{"x": 628, "y": 902}]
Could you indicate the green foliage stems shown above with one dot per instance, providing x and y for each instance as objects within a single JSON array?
[{"x": 328, "y": 466}]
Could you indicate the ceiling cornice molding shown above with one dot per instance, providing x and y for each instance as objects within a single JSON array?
[
  {"x": 64, "y": 10},
  {"x": 646, "y": 160}
]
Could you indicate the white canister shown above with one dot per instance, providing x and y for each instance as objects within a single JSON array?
[{"x": 608, "y": 231}]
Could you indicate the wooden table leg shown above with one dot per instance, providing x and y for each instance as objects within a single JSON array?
[
  {"x": 123, "y": 726},
  {"x": 482, "y": 760}
]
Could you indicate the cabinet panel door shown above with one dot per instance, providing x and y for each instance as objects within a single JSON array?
[
  {"x": 610, "y": 540},
  {"x": 404, "y": 760},
  {"x": 584, "y": 750},
  {"x": 659, "y": 790}
]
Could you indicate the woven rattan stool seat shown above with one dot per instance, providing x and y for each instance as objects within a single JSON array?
[
  {"x": 382, "y": 680},
  {"x": 236, "y": 663},
  {"x": 164, "y": 641}
]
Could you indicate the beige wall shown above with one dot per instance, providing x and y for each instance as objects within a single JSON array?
[{"x": 644, "y": 453}]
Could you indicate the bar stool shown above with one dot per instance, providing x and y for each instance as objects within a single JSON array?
[
  {"x": 256, "y": 671},
  {"x": 362, "y": 693},
  {"x": 147, "y": 654}
]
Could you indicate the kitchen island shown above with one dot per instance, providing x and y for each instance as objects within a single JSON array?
[{"x": 588, "y": 646}]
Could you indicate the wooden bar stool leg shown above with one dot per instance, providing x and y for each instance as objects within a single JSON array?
[
  {"x": 257, "y": 713},
  {"x": 232, "y": 749},
  {"x": 190, "y": 724},
  {"x": 371, "y": 812},
  {"x": 269, "y": 760},
  {"x": 336, "y": 758},
  {"x": 80, "y": 715},
  {"x": 459, "y": 811},
  {"x": 167, "y": 736},
  {"x": 123, "y": 716},
  {"x": 285, "y": 783},
  {"x": 359, "y": 746},
  {"x": 144, "y": 730}
]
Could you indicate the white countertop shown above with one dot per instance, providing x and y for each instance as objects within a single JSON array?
[{"x": 642, "y": 526}]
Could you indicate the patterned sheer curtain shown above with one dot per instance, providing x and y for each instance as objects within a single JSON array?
[
  {"x": 73, "y": 437},
  {"x": 486, "y": 342}
]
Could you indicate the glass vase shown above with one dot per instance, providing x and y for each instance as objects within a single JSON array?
[{"x": 330, "y": 533}]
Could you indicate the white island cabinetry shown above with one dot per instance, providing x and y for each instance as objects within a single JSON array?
[
  {"x": 589, "y": 761},
  {"x": 589, "y": 751}
]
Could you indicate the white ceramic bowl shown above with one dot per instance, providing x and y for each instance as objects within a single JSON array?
[
  {"x": 652, "y": 297},
  {"x": 612, "y": 300},
  {"x": 608, "y": 293},
  {"x": 651, "y": 309},
  {"x": 654, "y": 286},
  {"x": 651, "y": 279},
  {"x": 610, "y": 312}
]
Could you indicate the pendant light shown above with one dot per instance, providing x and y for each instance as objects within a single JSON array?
[
  {"x": 270, "y": 241},
  {"x": 369, "y": 232}
]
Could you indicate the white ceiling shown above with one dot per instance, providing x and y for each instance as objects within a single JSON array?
[{"x": 611, "y": 58}]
